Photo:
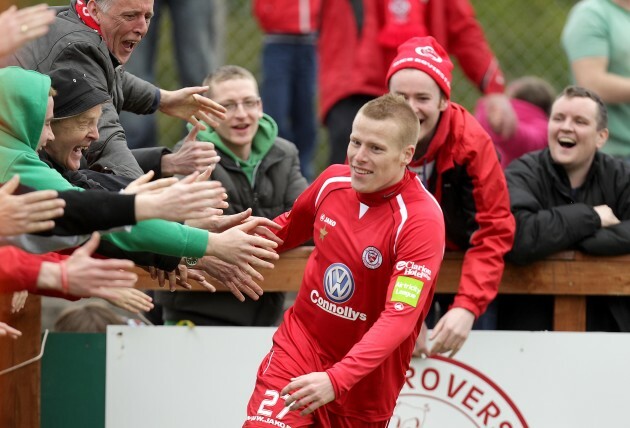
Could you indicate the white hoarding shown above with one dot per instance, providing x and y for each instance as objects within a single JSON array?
[{"x": 203, "y": 376}]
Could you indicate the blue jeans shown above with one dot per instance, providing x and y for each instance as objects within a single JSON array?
[
  {"x": 288, "y": 93},
  {"x": 195, "y": 38}
]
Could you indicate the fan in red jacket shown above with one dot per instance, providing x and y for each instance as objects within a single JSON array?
[
  {"x": 56, "y": 275},
  {"x": 367, "y": 286},
  {"x": 358, "y": 40},
  {"x": 457, "y": 161}
]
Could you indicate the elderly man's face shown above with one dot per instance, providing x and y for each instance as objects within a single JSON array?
[{"x": 123, "y": 23}]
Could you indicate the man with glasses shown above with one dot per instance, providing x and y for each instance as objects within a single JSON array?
[
  {"x": 96, "y": 38},
  {"x": 260, "y": 171}
]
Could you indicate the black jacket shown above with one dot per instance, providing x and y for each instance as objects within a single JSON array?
[{"x": 551, "y": 217}]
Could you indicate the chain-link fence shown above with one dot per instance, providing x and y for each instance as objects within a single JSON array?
[{"x": 525, "y": 36}]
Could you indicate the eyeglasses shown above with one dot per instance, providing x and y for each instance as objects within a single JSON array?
[{"x": 249, "y": 105}]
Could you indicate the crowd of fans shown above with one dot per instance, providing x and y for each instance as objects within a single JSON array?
[{"x": 527, "y": 175}]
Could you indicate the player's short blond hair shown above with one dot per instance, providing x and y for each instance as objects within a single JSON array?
[{"x": 394, "y": 107}]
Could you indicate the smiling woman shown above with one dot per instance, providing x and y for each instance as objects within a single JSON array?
[
  {"x": 73, "y": 137},
  {"x": 77, "y": 109}
]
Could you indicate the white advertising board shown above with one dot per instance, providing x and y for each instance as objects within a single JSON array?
[{"x": 163, "y": 377}]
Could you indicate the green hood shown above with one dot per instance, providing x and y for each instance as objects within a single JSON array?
[
  {"x": 23, "y": 103},
  {"x": 263, "y": 141},
  {"x": 22, "y": 106}
]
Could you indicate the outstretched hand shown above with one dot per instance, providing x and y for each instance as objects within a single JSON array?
[
  {"x": 188, "y": 104},
  {"x": 192, "y": 156},
  {"x": 220, "y": 223},
  {"x": 24, "y": 25},
  {"x": 237, "y": 281},
  {"x": 7, "y": 330},
  {"x": 90, "y": 277},
  {"x": 240, "y": 247},
  {"x": 28, "y": 213},
  {"x": 193, "y": 197}
]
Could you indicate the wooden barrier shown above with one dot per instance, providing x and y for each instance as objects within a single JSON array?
[{"x": 569, "y": 276}]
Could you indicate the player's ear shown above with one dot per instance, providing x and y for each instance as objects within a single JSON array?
[{"x": 407, "y": 154}]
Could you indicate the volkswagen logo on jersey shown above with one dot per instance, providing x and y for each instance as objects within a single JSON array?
[{"x": 338, "y": 283}]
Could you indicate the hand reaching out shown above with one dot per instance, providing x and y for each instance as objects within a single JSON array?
[
  {"x": 220, "y": 223},
  {"x": 192, "y": 156},
  {"x": 24, "y": 25},
  {"x": 188, "y": 104},
  {"x": 239, "y": 247},
  {"x": 188, "y": 198},
  {"x": 28, "y": 213},
  {"x": 87, "y": 276},
  {"x": 131, "y": 300},
  {"x": 18, "y": 300},
  {"x": 7, "y": 330},
  {"x": 237, "y": 281}
]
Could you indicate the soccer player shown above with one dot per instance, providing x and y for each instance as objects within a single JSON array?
[{"x": 379, "y": 240}]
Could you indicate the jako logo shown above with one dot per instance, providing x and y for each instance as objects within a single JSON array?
[
  {"x": 327, "y": 220},
  {"x": 413, "y": 269},
  {"x": 449, "y": 393}
]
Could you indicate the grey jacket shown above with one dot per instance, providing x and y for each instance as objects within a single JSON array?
[
  {"x": 72, "y": 44},
  {"x": 278, "y": 182}
]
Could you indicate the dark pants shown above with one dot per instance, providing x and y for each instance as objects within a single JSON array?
[{"x": 288, "y": 94}]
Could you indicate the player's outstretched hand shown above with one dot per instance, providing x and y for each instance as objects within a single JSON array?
[
  {"x": 451, "y": 331},
  {"x": 308, "y": 392},
  {"x": 238, "y": 246}
]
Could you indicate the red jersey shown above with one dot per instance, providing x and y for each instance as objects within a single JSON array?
[{"x": 367, "y": 286}]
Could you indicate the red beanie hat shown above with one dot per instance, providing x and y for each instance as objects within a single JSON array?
[{"x": 424, "y": 54}]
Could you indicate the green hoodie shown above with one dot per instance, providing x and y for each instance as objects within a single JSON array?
[
  {"x": 263, "y": 141},
  {"x": 23, "y": 103}
]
